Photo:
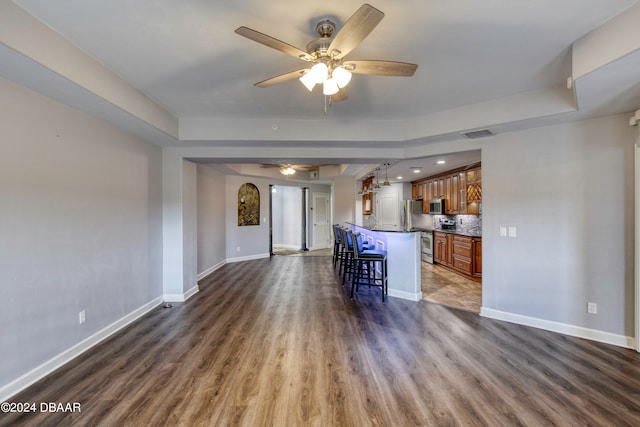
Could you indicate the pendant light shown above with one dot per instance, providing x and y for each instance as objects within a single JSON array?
[
  {"x": 376, "y": 186},
  {"x": 386, "y": 182}
]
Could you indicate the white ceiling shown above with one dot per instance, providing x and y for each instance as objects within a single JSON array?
[{"x": 185, "y": 56}]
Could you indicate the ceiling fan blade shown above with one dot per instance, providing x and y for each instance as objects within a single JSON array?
[
  {"x": 282, "y": 78},
  {"x": 340, "y": 96},
  {"x": 381, "y": 68},
  {"x": 361, "y": 23},
  {"x": 273, "y": 43}
]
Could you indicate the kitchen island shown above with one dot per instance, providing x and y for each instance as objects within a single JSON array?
[{"x": 403, "y": 259}]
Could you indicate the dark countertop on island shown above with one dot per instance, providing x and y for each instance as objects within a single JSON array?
[{"x": 385, "y": 230}]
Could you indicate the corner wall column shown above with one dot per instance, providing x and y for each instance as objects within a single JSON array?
[
  {"x": 635, "y": 121},
  {"x": 179, "y": 227}
]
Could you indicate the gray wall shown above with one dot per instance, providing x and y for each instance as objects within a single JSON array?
[
  {"x": 189, "y": 224},
  {"x": 254, "y": 240},
  {"x": 80, "y": 227},
  {"x": 569, "y": 191},
  {"x": 211, "y": 218},
  {"x": 344, "y": 200},
  {"x": 247, "y": 241}
]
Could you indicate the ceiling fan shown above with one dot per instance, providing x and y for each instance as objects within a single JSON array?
[
  {"x": 290, "y": 169},
  {"x": 326, "y": 55}
]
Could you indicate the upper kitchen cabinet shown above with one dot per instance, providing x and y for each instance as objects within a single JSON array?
[
  {"x": 474, "y": 190},
  {"x": 460, "y": 188},
  {"x": 367, "y": 198}
]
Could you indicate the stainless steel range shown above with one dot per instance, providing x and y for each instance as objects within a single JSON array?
[{"x": 426, "y": 245}]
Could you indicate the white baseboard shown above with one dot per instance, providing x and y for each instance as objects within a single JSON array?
[
  {"x": 210, "y": 270},
  {"x": 405, "y": 295},
  {"x": 562, "y": 328},
  {"x": 283, "y": 246},
  {"x": 248, "y": 258},
  {"x": 181, "y": 297},
  {"x": 66, "y": 356}
]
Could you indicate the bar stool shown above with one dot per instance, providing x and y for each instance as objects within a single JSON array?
[
  {"x": 368, "y": 258},
  {"x": 347, "y": 264},
  {"x": 337, "y": 245}
]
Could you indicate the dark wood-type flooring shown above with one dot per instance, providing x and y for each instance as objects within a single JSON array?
[{"x": 278, "y": 342}]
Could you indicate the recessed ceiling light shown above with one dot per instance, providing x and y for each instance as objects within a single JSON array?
[
  {"x": 441, "y": 162},
  {"x": 398, "y": 177}
]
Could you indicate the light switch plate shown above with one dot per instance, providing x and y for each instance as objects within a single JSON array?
[
  {"x": 503, "y": 231},
  {"x": 512, "y": 232}
]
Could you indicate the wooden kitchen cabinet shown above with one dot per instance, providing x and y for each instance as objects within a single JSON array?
[
  {"x": 452, "y": 188},
  {"x": 477, "y": 257},
  {"x": 461, "y": 189},
  {"x": 462, "y": 254},
  {"x": 441, "y": 251},
  {"x": 473, "y": 187},
  {"x": 462, "y": 193},
  {"x": 367, "y": 199}
]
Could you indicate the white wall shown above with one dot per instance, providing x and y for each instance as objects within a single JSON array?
[
  {"x": 80, "y": 227},
  {"x": 211, "y": 218},
  {"x": 569, "y": 191}
]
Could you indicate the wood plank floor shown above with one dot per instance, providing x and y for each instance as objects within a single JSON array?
[{"x": 278, "y": 342}]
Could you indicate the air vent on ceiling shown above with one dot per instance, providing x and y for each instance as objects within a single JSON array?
[{"x": 475, "y": 134}]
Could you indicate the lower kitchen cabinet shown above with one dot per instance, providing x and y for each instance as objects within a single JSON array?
[
  {"x": 462, "y": 258},
  {"x": 441, "y": 248},
  {"x": 462, "y": 254}
]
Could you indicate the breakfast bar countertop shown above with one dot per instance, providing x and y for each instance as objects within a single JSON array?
[{"x": 386, "y": 230}]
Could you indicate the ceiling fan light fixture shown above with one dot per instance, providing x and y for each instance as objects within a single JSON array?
[
  {"x": 320, "y": 72},
  {"x": 287, "y": 170},
  {"x": 342, "y": 76},
  {"x": 308, "y": 80},
  {"x": 330, "y": 87}
]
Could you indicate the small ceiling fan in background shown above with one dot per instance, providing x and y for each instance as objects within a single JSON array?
[
  {"x": 326, "y": 55},
  {"x": 290, "y": 169}
]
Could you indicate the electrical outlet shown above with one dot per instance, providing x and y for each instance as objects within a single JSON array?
[
  {"x": 592, "y": 308},
  {"x": 82, "y": 316}
]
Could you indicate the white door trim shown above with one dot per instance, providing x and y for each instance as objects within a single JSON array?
[
  {"x": 321, "y": 242},
  {"x": 636, "y": 262}
]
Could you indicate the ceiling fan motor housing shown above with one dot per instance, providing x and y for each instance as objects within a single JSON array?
[{"x": 325, "y": 28}]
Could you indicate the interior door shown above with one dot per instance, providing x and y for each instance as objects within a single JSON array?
[
  {"x": 320, "y": 218},
  {"x": 389, "y": 212}
]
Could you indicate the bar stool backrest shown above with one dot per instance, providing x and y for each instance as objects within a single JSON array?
[
  {"x": 336, "y": 233},
  {"x": 358, "y": 247},
  {"x": 349, "y": 239}
]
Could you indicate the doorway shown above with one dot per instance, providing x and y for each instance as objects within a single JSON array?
[
  {"x": 321, "y": 217},
  {"x": 286, "y": 222}
]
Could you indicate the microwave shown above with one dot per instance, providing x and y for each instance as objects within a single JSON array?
[{"x": 436, "y": 206}]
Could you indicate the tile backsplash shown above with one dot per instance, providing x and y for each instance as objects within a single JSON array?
[{"x": 471, "y": 224}]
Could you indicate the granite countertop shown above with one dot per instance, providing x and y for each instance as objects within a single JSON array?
[
  {"x": 466, "y": 233},
  {"x": 386, "y": 230}
]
